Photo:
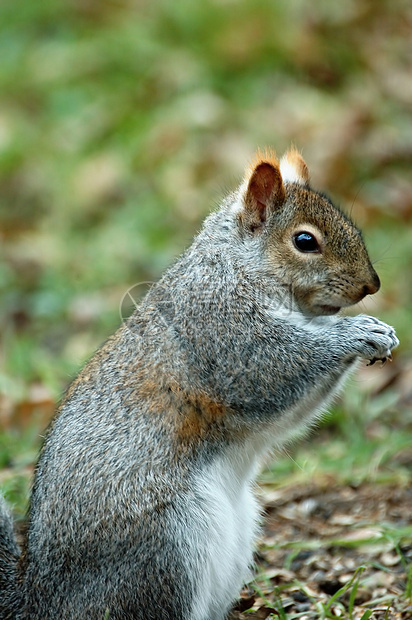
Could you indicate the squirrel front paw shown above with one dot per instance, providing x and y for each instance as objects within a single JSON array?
[{"x": 371, "y": 338}]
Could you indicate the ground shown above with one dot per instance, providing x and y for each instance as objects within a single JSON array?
[{"x": 332, "y": 551}]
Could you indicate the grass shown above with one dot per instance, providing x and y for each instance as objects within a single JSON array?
[
  {"x": 352, "y": 444},
  {"x": 343, "y": 603}
]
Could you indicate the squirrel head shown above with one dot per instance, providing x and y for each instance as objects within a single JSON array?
[{"x": 310, "y": 246}]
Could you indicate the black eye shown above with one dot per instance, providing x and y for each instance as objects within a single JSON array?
[{"x": 306, "y": 242}]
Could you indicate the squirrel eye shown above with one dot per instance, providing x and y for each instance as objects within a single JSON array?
[{"x": 306, "y": 242}]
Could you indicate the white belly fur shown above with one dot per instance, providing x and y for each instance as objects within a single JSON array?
[{"x": 232, "y": 514}]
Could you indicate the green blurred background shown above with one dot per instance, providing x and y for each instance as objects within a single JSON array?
[{"x": 122, "y": 123}]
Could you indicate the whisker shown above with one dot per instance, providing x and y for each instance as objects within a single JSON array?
[{"x": 355, "y": 198}]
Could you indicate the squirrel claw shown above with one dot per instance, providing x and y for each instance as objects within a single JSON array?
[{"x": 383, "y": 360}]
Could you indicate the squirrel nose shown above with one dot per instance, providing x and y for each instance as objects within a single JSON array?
[{"x": 373, "y": 286}]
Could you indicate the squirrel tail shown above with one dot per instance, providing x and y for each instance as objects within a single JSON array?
[{"x": 9, "y": 555}]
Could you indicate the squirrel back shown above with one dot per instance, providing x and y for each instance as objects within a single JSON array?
[{"x": 142, "y": 505}]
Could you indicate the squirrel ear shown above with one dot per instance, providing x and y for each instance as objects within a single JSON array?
[
  {"x": 264, "y": 191},
  {"x": 293, "y": 168}
]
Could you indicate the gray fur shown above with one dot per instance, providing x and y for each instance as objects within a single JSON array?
[{"x": 9, "y": 554}]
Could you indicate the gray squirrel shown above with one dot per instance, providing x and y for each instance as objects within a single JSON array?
[{"x": 142, "y": 504}]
